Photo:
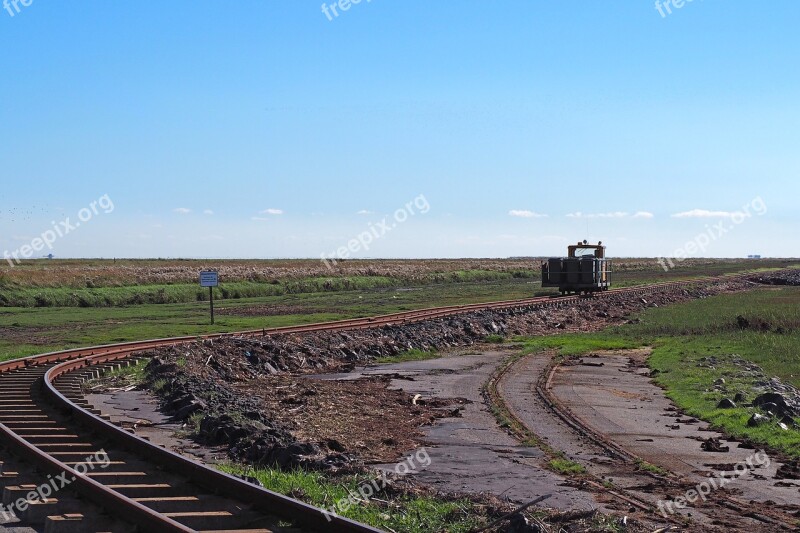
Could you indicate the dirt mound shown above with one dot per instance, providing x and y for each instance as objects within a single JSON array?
[{"x": 789, "y": 276}]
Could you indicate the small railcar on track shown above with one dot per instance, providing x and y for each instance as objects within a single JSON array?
[{"x": 585, "y": 270}]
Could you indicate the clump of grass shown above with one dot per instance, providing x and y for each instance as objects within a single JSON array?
[
  {"x": 495, "y": 339},
  {"x": 159, "y": 385},
  {"x": 193, "y": 422},
  {"x": 409, "y": 355},
  {"x": 649, "y": 467},
  {"x": 566, "y": 466},
  {"x": 122, "y": 377},
  {"x": 412, "y": 512}
]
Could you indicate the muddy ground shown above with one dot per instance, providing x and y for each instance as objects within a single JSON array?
[
  {"x": 251, "y": 394},
  {"x": 204, "y": 380}
]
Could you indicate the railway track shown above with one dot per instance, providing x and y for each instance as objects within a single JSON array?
[
  {"x": 722, "y": 506},
  {"x": 104, "y": 478},
  {"x": 730, "y": 505}
]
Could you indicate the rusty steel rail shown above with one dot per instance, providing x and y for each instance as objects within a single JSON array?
[
  {"x": 544, "y": 389},
  {"x": 63, "y": 363},
  {"x": 208, "y": 478}
]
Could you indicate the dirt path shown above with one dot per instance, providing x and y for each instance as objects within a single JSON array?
[
  {"x": 613, "y": 396},
  {"x": 518, "y": 390},
  {"x": 619, "y": 400},
  {"x": 472, "y": 453}
]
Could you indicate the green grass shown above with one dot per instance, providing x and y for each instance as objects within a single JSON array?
[
  {"x": 25, "y": 296},
  {"x": 409, "y": 355},
  {"x": 418, "y": 513},
  {"x": 577, "y": 343},
  {"x": 32, "y": 330},
  {"x": 122, "y": 377},
  {"x": 29, "y": 331},
  {"x": 178, "y": 293},
  {"x": 682, "y": 335},
  {"x": 648, "y": 467},
  {"x": 100, "y": 287},
  {"x": 566, "y": 467},
  {"x": 193, "y": 423},
  {"x": 159, "y": 385}
]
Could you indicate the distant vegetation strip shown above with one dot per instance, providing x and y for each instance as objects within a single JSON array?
[{"x": 15, "y": 296}]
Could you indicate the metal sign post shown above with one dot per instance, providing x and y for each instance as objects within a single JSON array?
[{"x": 210, "y": 279}]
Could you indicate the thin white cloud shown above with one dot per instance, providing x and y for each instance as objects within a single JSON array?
[
  {"x": 703, "y": 213},
  {"x": 643, "y": 214},
  {"x": 271, "y": 211},
  {"x": 614, "y": 214},
  {"x": 208, "y": 212},
  {"x": 182, "y": 210},
  {"x": 365, "y": 212},
  {"x": 259, "y": 218},
  {"x": 524, "y": 213}
]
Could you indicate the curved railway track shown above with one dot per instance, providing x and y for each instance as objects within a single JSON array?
[
  {"x": 49, "y": 431},
  {"x": 728, "y": 506},
  {"x": 774, "y": 519}
]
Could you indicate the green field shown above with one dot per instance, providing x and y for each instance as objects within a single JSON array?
[
  {"x": 73, "y": 303},
  {"x": 99, "y": 302},
  {"x": 120, "y": 296},
  {"x": 27, "y": 331},
  {"x": 96, "y": 283}
]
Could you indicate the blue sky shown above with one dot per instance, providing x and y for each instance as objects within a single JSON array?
[{"x": 299, "y": 132}]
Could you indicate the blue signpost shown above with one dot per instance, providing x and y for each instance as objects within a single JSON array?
[{"x": 210, "y": 279}]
